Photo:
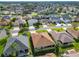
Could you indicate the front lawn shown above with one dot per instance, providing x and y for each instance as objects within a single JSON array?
[
  {"x": 1, "y": 49},
  {"x": 74, "y": 46},
  {"x": 41, "y": 31},
  {"x": 58, "y": 29},
  {"x": 52, "y": 24},
  {"x": 37, "y": 25}
]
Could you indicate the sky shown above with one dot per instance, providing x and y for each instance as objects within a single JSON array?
[{"x": 39, "y": 0}]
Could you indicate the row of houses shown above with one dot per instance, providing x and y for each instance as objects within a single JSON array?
[
  {"x": 40, "y": 41},
  {"x": 47, "y": 40}
]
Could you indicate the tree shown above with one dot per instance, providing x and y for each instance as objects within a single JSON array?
[
  {"x": 13, "y": 19},
  {"x": 57, "y": 49},
  {"x": 74, "y": 25}
]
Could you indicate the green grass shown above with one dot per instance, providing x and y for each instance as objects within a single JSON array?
[
  {"x": 30, "y": 43},
  {"x": 75, "y": 22},
  {"x": 76, "y": 28},
  {"x": 2, "y": 44},
  {"x": 39, "y": 31},
  {"x": 1, "y": 49},
  {"x": 58, "y": 29},
  {"x": 37, "y": 25},
  {"x": 51, "y": 24},
  {"x": 75, "y": 46}
]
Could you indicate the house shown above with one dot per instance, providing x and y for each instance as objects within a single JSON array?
[
  {"x": 62, "y": 37},
  {"x": 3, "y": 23},
  {"x": 15, "y": 31},
  {"x": 71, "y": 53},
  {"x": 55, "y": 19},
  {"x": 42, "y": 41},
  {"x": 77, "y": 19},
  {"x": 32, "y": 21},
  {"x": 48, "y": 55},
  {"x": 3, "y": 34},
  {"x": 73, "y": 33},
  {"x": 31, "y": 28},
  {"x": 46, "y": 21},
  {"x": 65, "y": 38},
  {"x": 17, "y": 45},
  {"x": 6, "y": 17},
  {"x": 20, "y": 22}
]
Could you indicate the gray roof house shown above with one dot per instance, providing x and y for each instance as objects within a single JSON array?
[
  {"x": 17, "y": 45},
  {"x": 73, "y": 33},
  {"x": 32, "y": 21},
  {"x": 62, "y": 37},
  {"x": 65, "y": 38},
  {"x": 3, "y": 34}
]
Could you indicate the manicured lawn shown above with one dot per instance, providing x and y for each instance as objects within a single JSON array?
[
  {"x": 2, "y": 44},
  {"x": 51, "y": 24},
  {"x": 1, "y": 49},
  {"x": 58, "y": 29},
  {"x": 75, "y": 22},
  {"x": 37, "y": 25},
  {"x": 77, "y": 28},
  {"x": 29, "y": 43},
  {"x": 41, "y": 31},
  {"x": 75, "y": 46}
]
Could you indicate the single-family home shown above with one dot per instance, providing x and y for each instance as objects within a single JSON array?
[
  {"x": 32, "y": 21},
  {"x": 73, "y": 33},
  {"x": 77, "y": 19},
  {"x": 65, "y": 38},
  {"x": 55, "y": 19},
  {"x": 3, "y": 23},
  {"x": 42, "y": 41},
  {"x": 46, "y": 21},
  {"x": 3, "y": 34},
  {"x": 16, "y": 45},
  {"x": 20, "y": 22},
  {"x": 62, "y": 37},
  {"x": 71, "y": 53}
]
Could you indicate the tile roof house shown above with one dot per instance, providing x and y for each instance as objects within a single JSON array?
[
  {"x": 3, "y": 23},
  {"x": 3, "y": 34},
  {"x": 6, "y": 18},
  {"x": 42, "y": 40},
  {"x": 62, "y": 37},
  {"x": 18, "y": 45},
  {"x": 73, "y": 33}
]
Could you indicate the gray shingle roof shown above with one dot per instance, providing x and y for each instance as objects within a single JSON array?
[
  {"x": 65, "y": 38},
  {"x": 62, "y": 36},
  {"x": 21, "y": 38},
  {"x": 3, "y": 34},
  {"x": 32, "y": 21}
]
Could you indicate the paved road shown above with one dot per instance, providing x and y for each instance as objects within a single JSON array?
[{"x": 52, "y": 27}]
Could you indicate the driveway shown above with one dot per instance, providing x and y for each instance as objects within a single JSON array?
[{"x": 15, "y": 31}]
